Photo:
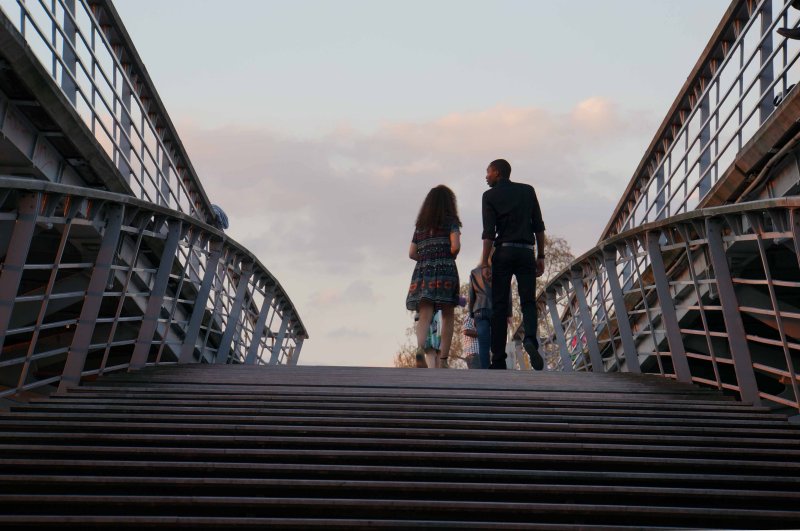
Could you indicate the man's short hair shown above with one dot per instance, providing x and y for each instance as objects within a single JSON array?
[{"x": 503, "y": 168}]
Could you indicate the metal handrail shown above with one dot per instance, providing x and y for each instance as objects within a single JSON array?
[
  {"x": 668, "y": 165},
  {"x": 108, "y": 85},
  {"x": 150, "y": 286},
  {"x": 655, "y": 275}
]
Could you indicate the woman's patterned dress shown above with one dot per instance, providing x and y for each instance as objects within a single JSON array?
[{"x": 435, "y": 277}]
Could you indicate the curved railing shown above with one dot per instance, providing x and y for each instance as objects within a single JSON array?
[
  {"x": 711, "y": 297},
  {"x": 745, "y": 69},
  {"x": 94, "y": 281},
  {"x": 86, "y": 50}
]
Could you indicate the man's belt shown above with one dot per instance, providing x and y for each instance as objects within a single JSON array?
[{"x": 520, "y": 245}]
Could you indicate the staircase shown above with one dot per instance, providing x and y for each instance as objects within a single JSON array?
[{"x": 225, "y": 447}]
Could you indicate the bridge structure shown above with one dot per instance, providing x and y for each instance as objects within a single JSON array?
[
  {"x": 696, "y": 275},
  {"x": 112, "y": 254},
  {"x": 169, "y": 351}
]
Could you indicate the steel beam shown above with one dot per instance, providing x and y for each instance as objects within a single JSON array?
[
  {"x": 14, "y": 261},
  {"x": 155, "y": 301},
  {"x": 276, "y": 348},
  {"x": 621, "y": 312},
  {"x": 258, "y": 330},
  {"x": 84, "y": 330},
  {"x": 558, "y": 329},
  {"x": 68, "y": 53},
  {"x": 233, "y": 315},
  {"x": 298, "y": 345},
  {"x": 576, "y": 277},
  {"x": 737, "y": 339},
  {"x": 668, "y": 315},
  {"x": 199, "y": 308},
  {"x": 767, "y": 75}
]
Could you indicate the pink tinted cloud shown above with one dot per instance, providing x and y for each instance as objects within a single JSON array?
[{"x": 348, "y": 199}]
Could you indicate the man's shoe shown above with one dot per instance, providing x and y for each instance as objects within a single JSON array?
[
  {"x": 529, "y": 344},
  {"x": 790, "y": 33}
]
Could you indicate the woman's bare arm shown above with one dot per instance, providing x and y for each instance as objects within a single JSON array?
[
  {"x": 455, "y": 243},
  {"x": 412, "y": 252}
]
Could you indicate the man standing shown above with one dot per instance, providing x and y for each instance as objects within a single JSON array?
[{"x": 512, "y": 223}]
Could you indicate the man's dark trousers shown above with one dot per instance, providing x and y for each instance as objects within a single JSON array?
[{"x": 508, "y": 262}]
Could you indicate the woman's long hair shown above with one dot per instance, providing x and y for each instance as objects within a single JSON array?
[{"x": 438, "y": 209}]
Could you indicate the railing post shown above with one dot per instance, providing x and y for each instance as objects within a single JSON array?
[
  {"x": 233, "y": 316},
  {"x": 737, "y": 339},
  {"x": 68, "y": 54},
  {"x": 258, "y": 330},
  {"x": 199, "y": 308},
  {"x": 586, "y": 320},
  {"x": 705, "y": 147},
  {"x": 766, "y": 76},
  {"x": 298, "y": 345},
  {"x": 558, "y": 329},
  {"x": 84, "y": 330},
  {"x": 155, "y": 301},
  {"x": 621, "y": 312},
  {"x": 14, "y": 262},
  {"x": 125, "y": 123},
  {"x": 276, "y": 348},
  {"x": 668, "y": 315}
]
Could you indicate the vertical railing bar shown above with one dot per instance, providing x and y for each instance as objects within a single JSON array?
[
  {"x": 48, "y": 290},
  {"x": 668, "y": 315},
  {"x": 199, "y": 308},
  {"x": 142, "y": 222},
  {"x": 233, "y": 315},
  {"x": 737, "y": 339},
  {"x": 258, "y": 330},
  {"x": 683, "y": 229},
  {"x": 84, "y": 330},
  {"x": 276, "y": 347},
  {"x": 298, "y": 345},
  {"x": 576, "y": 278},
  {"x": 155, "y": 301},
  {"x": 13, "y": 265},
  {"x": 621, "y": 312},
  {"x": 756, "y": 222},
  {"x": 558, "y": 329},
  {"x": 646, "y": 306},
  {"x": 178, "y": 290}
]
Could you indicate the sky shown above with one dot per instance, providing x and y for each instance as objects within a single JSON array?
[{"x": 320, "y": 125}]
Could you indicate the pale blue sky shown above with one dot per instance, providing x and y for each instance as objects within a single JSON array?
[
  {"x": 319, "y": 126},
  {"x": 305, "y": 66}
]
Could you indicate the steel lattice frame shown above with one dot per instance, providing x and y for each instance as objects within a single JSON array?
[
  {"x": 725, "y": 101},
  {"x": 711, "y": 297},
  {"x": 93, "y": 281},
  {"x": 89, "y": 56}
]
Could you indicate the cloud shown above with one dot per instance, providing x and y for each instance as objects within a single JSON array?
[
  {"x": 357, "y": 292},
  {"x": 349, "y": 332},
  {"x": 348, "y": 199},
  {"x": 332, "y": 217}
]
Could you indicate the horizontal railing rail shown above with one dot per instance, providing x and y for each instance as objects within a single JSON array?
[
  {"x": 94, "y": 281},
  {"x": 711, "y": 296},
  {"x": 88, "y": 53},
  {"x": 745, "y": 69}
]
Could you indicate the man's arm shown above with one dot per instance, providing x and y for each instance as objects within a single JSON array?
[
  {"x": 471, "y": 303},
  {"x": 538, "y": 229},
  {"x": 489, "y": 232},
  {"x": 540, "y": 241}
]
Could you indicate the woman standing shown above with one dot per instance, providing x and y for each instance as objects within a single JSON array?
[{"x": 434, "y": 283}]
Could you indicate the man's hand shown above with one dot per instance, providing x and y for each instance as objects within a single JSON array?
[
  {"x": 539, "y": 267},
  {"x": 486, "y": 272}
]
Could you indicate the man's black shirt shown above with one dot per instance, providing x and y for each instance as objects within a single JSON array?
[{"x": 511, "y": 213}]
